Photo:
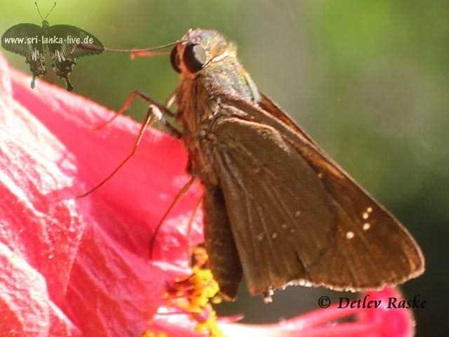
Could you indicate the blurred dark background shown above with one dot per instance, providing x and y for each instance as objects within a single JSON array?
[{"x": 368, "y": 80}]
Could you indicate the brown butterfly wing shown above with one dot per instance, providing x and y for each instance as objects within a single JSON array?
[
  {"x": 220, "y": 244},
  {"x": 280, "y": 215},
  {"x": 343, "y": 239},
  {"x": 398, "y": 257}
]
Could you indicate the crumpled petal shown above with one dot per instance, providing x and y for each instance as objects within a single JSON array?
[{"x": 80, "y": 267}]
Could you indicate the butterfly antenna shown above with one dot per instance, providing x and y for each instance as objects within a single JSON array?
[
  {"x": 46, "y": 16},
  {"x": 51, "y": 10},
  {"x": 37, "y": 6}
]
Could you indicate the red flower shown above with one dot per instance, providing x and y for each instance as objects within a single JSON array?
[{"x": 80, "y": 267}]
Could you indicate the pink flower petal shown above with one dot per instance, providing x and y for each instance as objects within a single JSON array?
[{"x": 79, "y": 267}]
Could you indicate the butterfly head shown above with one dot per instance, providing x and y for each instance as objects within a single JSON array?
[
  {"x": 199, "y": 48},
  {"x": 44, "y": 19}
]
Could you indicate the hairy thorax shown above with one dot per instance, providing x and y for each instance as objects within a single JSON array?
[{"x": 201, "y": 107}]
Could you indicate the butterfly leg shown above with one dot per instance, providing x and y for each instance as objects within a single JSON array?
[
  {"x": 190, "y": 226},
  {"x": 178, "y": 197},
  {"x": 161, "y": 108},
  {"x": 153, "y": 115}
]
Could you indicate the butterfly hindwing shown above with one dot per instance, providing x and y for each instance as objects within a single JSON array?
[
  {"x": 78, "y": 38},
  {"x": 223, "y": 255}
]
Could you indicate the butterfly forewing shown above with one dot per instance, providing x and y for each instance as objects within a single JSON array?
[
  {"x": 370, "y": 248},
  {"x": 19, "y": 39},
  {"x": 279, "y": 212},
  {"x": 73, "y": 47},
  {"x": 63, "y": 55},
  {"x": 396, "y": 256},
  {"x": 25, "y": 39}
]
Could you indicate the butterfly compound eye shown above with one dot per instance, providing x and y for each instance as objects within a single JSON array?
[
  {"x": 174, "y": 59},
  {"x": 194, "y": 57}
]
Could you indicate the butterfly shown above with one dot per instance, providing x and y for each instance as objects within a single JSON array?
[
  {"x": 64, "y": 44},
  {"x": 277, "y": 209}
]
